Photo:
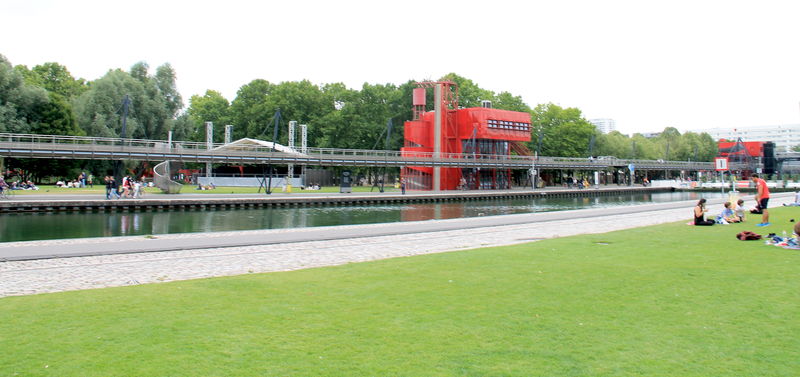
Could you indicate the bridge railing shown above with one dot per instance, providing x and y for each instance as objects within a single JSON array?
[{"x": 187, "y": 147}]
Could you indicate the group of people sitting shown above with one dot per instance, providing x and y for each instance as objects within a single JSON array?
[
  {"x": 577, "y": 183},
  {"x": 737, "y": 214},
  {"x": 727, "y": 216},
  {"x": 18, "y": 185},
  {"x": 68, "y": 184}
]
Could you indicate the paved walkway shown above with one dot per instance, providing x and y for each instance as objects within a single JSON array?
[{"x": 293, "y": 249}]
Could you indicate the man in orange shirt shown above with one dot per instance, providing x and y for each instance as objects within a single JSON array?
[{"x": 762, "y": 198}]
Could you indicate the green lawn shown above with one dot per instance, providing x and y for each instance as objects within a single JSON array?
[{"x": 670, "y": 300}]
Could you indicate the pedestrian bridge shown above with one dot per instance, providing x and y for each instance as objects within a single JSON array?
[{"x": 99, "y": 148}]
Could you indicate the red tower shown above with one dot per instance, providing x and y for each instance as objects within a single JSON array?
[{"x": 448, "y": 131}]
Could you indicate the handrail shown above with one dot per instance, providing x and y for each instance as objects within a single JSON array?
[{"x": 344, "y": 154}]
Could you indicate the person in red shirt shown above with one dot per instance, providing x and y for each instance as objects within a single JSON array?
[{"x": 762, "y": 198}]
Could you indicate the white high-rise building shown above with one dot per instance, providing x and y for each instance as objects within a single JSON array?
[
  {"x": 784, "y": 136},
  {"x": 604, "y": 125}
]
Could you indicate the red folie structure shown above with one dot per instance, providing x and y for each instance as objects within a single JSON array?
[
  {"x": 746, "y": 148},
  {"x": 452, "y": 132}
]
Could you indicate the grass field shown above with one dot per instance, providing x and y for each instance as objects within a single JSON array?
[
  {"x": 670, "y": 300},
  {"x": 188, "y": 189}
]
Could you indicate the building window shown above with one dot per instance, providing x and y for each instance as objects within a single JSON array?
[{"x": 509, "y": 125}]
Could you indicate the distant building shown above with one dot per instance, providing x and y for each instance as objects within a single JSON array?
[
  {"x": 604, "y": 125},
  {"x": 784, "y": 136},
  {"x": 650, "y": 135}
]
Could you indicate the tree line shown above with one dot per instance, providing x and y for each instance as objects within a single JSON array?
[{"x": 47, "y": 99}]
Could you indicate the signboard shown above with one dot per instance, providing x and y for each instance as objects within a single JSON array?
[
  {"x": 721, "y": 163},
  {"x": 347, "y": 180},
  {"x": 631, "y": 167}
]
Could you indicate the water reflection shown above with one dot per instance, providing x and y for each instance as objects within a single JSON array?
[{"x": 24, "y": 227}]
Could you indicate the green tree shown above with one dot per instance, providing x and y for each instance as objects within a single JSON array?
[
  {"x": 250, "y": 111},
  {"x": 299, "y": 101},
  {"x": 508, "y": 101},
  {"x": 645, "y": 148},
  {"x": 99, "y": 110},
  {"x": 165, "y": 80},
  {"x": 183, "y": 128},
  {"x": 19, "y": 103},
  {"x": 360, "y": 118},
  {"x": 55, "y": 78},
  {"x": 564, "y": 131},
  {"x": 211, "y": 107},
  {"x": 56, "y": 118},
  {"x": 153, "y": 103},
  {"x": 670, "y": 143},
  {"x": 614, "y": 144}
]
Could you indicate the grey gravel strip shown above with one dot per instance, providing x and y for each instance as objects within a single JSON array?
[{"x": 64, "y": 274}]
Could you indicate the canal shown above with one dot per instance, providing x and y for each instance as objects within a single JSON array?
[{"x": 59, "y": 225}]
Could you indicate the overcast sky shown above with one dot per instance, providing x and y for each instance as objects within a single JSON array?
[{"x": 646, "y": 64}]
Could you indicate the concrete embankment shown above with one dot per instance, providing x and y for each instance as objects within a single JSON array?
[{"x": 155, "y": 202}]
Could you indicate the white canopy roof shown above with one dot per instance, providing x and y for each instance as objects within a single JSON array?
[{"x": 248, "y": 143}]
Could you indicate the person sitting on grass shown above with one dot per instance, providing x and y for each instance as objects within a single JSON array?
[
  {"x": 797, "y": 232},
  {"x": 739, "y": 210},
  {"x": 728, "y": 215},
  {"x": 700, "y": 214},
  {"x": 796, "y": 200}
]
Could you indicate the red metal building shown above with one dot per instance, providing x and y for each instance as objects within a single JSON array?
[
  {"x": 746, "y": 148},
  {"x": 469, "y": 133}
]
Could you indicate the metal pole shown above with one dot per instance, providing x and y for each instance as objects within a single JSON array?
[
  {"x": 209, "y": 145},
  {"x": 274, "y": 140},
  {"x": 228, "y": 133},
  {"x": 437, "y": 135},
  {"x": 290, "y": 167},
  {"x": 533, "y": 170},
  {"x": 722, "y": 181},
  {"x": 303, "y": 150}
]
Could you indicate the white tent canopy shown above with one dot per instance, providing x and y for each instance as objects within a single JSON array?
[{"x": 247, "y": 143}]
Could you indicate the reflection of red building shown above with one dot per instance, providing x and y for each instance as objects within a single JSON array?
[{"x": 471, "y": 133}]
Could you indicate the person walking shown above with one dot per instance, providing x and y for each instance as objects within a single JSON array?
[
  {"x": 107, "y": 180},
  {"x": 126, "y": 186},
  {"x": 114, "y": 188},
  {"x": 403, "y": 186},
  {"x": 762, "y": 198}
]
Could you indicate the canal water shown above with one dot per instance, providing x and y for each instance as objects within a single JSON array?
[{"x": 44, "y": 226}]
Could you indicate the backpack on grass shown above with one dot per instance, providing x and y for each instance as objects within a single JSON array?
[{"x": 748, "y": 236}]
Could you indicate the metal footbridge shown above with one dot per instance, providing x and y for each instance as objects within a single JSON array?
[{"x": 99, "y": 148}]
